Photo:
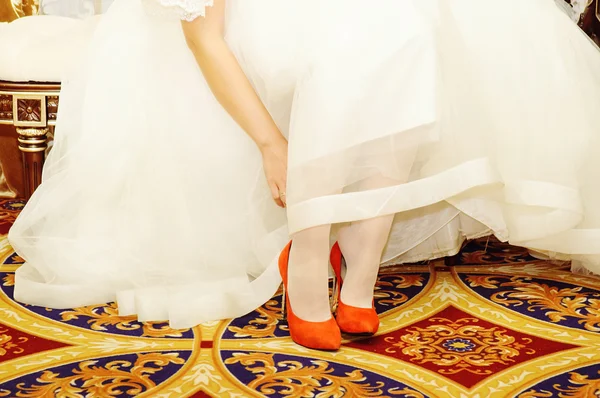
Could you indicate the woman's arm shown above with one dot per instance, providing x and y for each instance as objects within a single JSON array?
[{"x": 205, "y": 37}]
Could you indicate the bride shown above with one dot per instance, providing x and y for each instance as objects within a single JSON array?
[{"x": 410, "y": 127}]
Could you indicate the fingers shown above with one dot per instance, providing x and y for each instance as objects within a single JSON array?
[
  {"x": 283, "y": 193},
  {"x": 283, "y": 198},
  {"x": 276, "y": 194}
]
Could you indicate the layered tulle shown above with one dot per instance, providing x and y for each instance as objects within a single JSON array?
[
  {"x": 520, "y": 101},
  {"x": 479, "y": 119},
  {"x": 151, "y": 191}
]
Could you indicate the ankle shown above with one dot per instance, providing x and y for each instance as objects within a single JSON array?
[
  {"x": 308, "y": 292},
  {"x": 358, "y": 293},
  {"x": 359, "y": 282}
]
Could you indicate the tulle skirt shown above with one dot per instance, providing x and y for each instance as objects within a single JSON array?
[
  {"x": 519, "y": 91},
  {"x": 153, "y": 197}
]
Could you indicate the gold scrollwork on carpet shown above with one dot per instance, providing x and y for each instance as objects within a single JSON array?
[
  {"x": 8, "y": 280},
  {"x": 583, "y": 387},
  {"x": 101, "y": 316},
  {"x": 537, "y": 394},
  {"x": 458, "y": 346},
  {"x": 485, "y": 281},
  {"x": 559, "y": 303},
  {"x": 7, "y": 344},
  {"x": 102, "y": 381},
  {"x": 388, "y": 292},
  {"x": 263, "y": 325},
  {"x": 294, "y": 379}
]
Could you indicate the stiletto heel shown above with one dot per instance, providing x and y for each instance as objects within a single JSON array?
[
  {"x": 351, "y": 320},
  {"x": 317, "y": 335},
  {"x": 333, "y": 300},
  {"x": 283, "y": 307}
]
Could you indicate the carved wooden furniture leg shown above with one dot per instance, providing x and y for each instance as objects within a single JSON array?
[
  {"x": 29, "y": 108},
  {"x": 32, "y": 143}
]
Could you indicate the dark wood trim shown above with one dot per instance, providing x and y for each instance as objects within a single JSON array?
[
  {"x": 25, "y": 86},
  {"x": 31, "y": 109}
]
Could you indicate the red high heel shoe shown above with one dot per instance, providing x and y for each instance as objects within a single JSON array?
[
  {"x": 317, "y": 335},
  {"x": 351, "y": 320}
]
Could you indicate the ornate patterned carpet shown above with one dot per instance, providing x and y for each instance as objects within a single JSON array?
[{"x": 490, "y": 322}]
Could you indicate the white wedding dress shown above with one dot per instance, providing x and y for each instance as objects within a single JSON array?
[{"x": 152, "y": 196}]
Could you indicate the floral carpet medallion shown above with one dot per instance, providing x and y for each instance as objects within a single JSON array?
[{"x": 491, "y": 322}]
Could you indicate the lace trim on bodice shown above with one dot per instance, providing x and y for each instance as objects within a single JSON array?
[{"x": 186, "y": 10}]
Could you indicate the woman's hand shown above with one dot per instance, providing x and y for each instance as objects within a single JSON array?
[
  {"x": 231, "y": 87},
  {"x": 275, "y": 166}
]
